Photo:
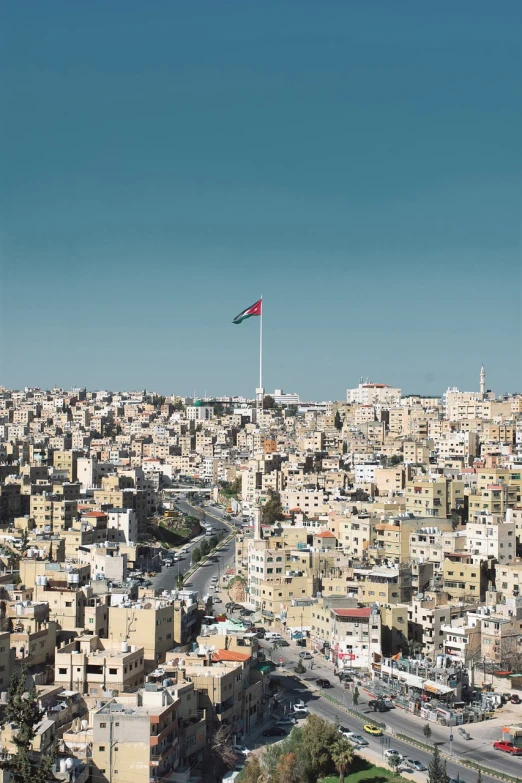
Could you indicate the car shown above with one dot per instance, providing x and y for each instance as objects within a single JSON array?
[
  {"x": 346, "y": 678},
  {"x": 323, "y": 683},
  {"x": 358, "y": 740},
  {"x": 515, "y": 698},
  {"x": 245, "y": 612},
  {"x": 393, "y": 753},
  {"x": 275, "y": 731},
  {"x": 283, "y": 643},
  {"x": 229, "y": 605},
  {"x": 217, "y": 600},
  {"x": 215, "y": 578},
  {"x": 305, "y": 655},
  {"x": 287, "y": 721},
  {"x": 378, "y": 705},
  {"x": 508, "y": 747},
  {"x": 375, "y": 731},
  {"x": 241, "y": 749},
  {"x": 168, "y": 564},
  {"x": 416, "y": 764},
  {"x": 346, "y": 733}
]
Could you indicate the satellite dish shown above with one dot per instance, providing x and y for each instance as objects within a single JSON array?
[{"x": 147, "y": 606}]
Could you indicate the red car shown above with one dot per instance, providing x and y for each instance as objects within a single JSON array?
[{"x": 508, "y": 747}]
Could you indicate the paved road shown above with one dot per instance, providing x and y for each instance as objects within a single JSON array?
[
  {"x": 201, "y": 579},
  {"x": 398, "y": 721}
]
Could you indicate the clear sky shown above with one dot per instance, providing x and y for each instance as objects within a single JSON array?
[{"x": 166, "y": 163}]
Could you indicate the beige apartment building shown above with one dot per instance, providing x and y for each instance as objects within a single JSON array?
[
  {"x": 433, "y": 497},
  {"x": 509, "y": 578},
  {"x": 427, "y": 617},
  {"x": 416, "y": 453},
  {"x": 354, "y": 533},
  {"x": 384, "y": 585},
  {"x": 431, "y": 544},
  {"x": 156, "y": 625},
  {"x": 463, "y": 580},
  {"x": 97, "y": 667},
  {"x": 136, "y": 743}
]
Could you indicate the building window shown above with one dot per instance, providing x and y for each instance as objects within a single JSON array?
[
  {"x": 103, "y": 725},
  {"x": 101, "y": 748}
]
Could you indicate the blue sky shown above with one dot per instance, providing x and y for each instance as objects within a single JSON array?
[{"x": 165, "y": 163}]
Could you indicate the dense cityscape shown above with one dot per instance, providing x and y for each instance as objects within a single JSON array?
[{"x": 193, "y": 589}]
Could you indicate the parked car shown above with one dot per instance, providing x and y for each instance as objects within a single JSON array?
[
  {"x": 300, "y": 708},
  {"x": 515, "y": 698},
  {"x": 347, "y": 733},
  {"x": 229, "y": 605},
  {"x": 216, "y": 599},
  {"x": 287, "y": 721},
  {"x": 305, "y": 655},
  {"x": 393, "y": 753},
  {"x": 358, "y": 740},
  {"x": 324, "y": 683},
  {"x": 508, "y": 747},
  {"x": 416, "y": 764},
  {"x": 275, "y": 731},
  {"x": 241, "y": 749},
  {"x": 375, "y": 731},
  {"x": 283, "y": 643}
]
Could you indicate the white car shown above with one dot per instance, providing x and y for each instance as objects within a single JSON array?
[
  {"x": 300, "y": 708},
  {"x": 216, "y": 599},
  {"x": 241, "y": 749},
  {"x": 392, "y": 753}
]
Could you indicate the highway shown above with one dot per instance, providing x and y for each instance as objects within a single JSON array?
[{"x": 479, "y": 749}]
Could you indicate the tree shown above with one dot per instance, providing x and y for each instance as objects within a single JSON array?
[
  {"x": 394, "y": 762},
  {"x": 179, "y": 581},
  {"x": 196, "y": 555},
  {"x": 436, "y": 769},
  {"x": 338, "y": 422},
  {"x": 22, "y": 709},
  {"x": 222, "y": 746},
  {"x": 427, "y": 731},
  {"x": 355, "y": 696},
  {"x": 299, "y": 669},
  {"x": 204, "y": 547},
  {"x": 272, "y": 510},
  {"x": 396, "y": 459},
  {"x": 253, "y": 772},
  {"x": 286, "y": 770},
  {"x": 292, "y": 410},
  {"x": 342, "y": 757},
  {"x": 268, "y": 402},
  {"x": 213, "y": 542},
  {"x": 319, "y": 736},
  {"x": 479, "y": 776}
]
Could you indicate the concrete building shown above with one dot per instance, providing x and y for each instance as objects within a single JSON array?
[{"x": 97, "y": 667}]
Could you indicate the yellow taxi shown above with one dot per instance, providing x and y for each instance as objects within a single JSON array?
[{"x": 371, "y": 729}]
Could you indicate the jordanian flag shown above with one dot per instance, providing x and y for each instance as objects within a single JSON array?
[{"x": 255, "y": 309}]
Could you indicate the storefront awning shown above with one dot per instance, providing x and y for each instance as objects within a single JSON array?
[{"x": 437, "y": 688}]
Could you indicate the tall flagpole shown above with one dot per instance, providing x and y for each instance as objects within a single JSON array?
[
  {"x": 261, "y": 346},
  {"x": 259, "y": 390}
]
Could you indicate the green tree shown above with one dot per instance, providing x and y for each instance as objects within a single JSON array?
[
  {"x": 179, "y": 581},
  {"x": 436, "y": 769},
  {"x": 338, "y": 422},
  {"x": 394, "y": 762},
  {"x": 427, "y": 731},
  {"x": 319, "y": 736},
  {"x": 268, "y": 402},
  {"x": 395, "y": 459},
  {"x": 196, "y": 555},
  {"x": 299, "y": 668},
  {"x": 272, "y": 510},
  {"x": 342, "y": 757},
  {"x": 22, "y": 709},
  {"x": 355, "y": 696},
  {"x": 292, "y": 410},
  {"x": 213, "y": 542},
  {"x": 204, "y": 547}
]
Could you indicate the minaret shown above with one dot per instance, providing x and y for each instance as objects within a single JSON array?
[
  {"x": 482, "y": 381},
  {"x": 257, "y": 522}
]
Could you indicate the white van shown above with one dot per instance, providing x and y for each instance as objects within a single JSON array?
[{"x": 272, "y": 636}]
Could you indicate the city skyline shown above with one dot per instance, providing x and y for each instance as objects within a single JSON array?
[{"x": 359, "y": 167}]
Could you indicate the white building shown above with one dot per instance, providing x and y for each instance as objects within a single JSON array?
[
  {"x": 374, "y": 394},
  {"x": 355, "y": 637},
  {"x": 489, "y": 536},
  {"x": 122, "y": 525},
  {"x": 282, "y": 398}
]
